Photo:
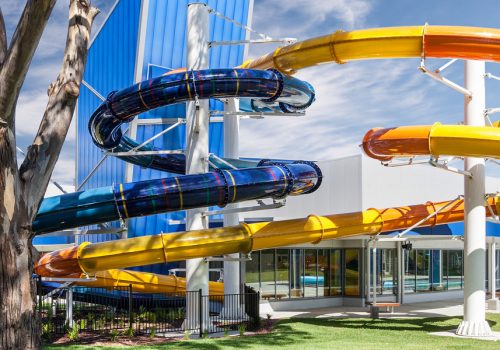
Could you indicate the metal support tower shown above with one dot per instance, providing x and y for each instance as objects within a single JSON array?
[
  {"x": 232, "y": 265},
  {"x": 474, "y": 322},
  {"x": 197, "y": 153}
]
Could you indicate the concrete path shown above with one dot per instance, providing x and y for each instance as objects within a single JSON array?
[{"x": 430, "y": 309}]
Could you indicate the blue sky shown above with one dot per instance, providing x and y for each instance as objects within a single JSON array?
[{"x": 351, "y": 98}]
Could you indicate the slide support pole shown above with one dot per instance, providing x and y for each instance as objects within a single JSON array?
[
  {"x": 474, "y": 321},
  {"x": 196, "y": 157}
]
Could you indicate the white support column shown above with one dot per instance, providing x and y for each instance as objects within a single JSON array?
[
  {"x": 474, "y": 322},
  {"x": 196, "y": 154},
  {"x": 232, "y": 280},
  {"x": 493, "y": 302},
  {"x": 400, "y": 274}
]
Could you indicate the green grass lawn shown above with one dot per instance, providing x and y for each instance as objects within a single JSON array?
[{"x": 352, "y": 333}]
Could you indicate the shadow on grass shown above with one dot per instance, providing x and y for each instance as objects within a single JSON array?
[{"x": 430, "y": 324}]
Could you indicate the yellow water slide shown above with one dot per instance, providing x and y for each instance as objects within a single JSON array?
[
  {"x": 142, "y": 282},
  {"x": 338, "y": 47},
  {"x": 91, "y": 258},
  {"x": 392, "y": 42},
  {"x": 435, "y": 140}
]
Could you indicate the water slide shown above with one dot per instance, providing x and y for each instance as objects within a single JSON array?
[
  {"x": 251, "y": 179},
  {"x": 338, "y": 47}
]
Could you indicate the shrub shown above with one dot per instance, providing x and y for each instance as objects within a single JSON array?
[
  {"x": 129, "y": 332},
  {"x": 73, "y": 333},
  {"x": 242, "y": 328},
  {"x": 152, "y": 332},
  {"x": 113, "y": 335}
]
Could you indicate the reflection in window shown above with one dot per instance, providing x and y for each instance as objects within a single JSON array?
[
  {"x": 296, "y": 267},
  {"x": 423, "y": 270},
  {"x": 386, "y": 271},
  {"x": 455, "y": 274},
  {"x": 409, "y": 268},
  {"x": 352, "y": 272},
  {"x": 267, "y": 276},
  {"x": 282, "y": 273},
  {"x": 323, "y": 270},
  {"x": 335, "y": 272},
  {"x": 252, "y": 271},
  {"x": 310, "y": 279}
]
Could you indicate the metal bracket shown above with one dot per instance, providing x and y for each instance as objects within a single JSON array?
[
  {"x": 256, "y": 115},
  {"x": 244, "y": 257},
  {"x": 68, "y": 280},
  {"x": 445, "y": 166},
  {"x": 286, "y": 41},
  {"x": 401, "y": 234},
  {"x": 494, "y": 218},
  {"x": 261, "y": 206},
  {"x": 145, "y": 153},
  {"x": 436, "y": 75},
  {"x": 104, "y": 231},
  {"x": 433, "y": 162}
]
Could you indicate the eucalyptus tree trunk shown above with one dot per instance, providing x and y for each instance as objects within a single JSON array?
[{"x": 22, "y": 188}]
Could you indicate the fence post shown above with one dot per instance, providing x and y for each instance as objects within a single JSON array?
[
  {"x": 69, "y": 307},
  {"x": 39, "y": 291},
  {"x": 130, "y": 305},
  {"x": 200, "y": 310}
]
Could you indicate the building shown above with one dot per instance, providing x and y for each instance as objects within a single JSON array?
[{"x": 340, "y": 272}]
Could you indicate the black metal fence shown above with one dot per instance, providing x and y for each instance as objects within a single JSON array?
[{"x": 124, "y": 311}]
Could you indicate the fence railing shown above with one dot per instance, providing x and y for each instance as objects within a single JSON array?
[{"x": 121, "y": 309}]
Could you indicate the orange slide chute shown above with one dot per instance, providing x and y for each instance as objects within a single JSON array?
[
  {"x": 142, "y": 282},
  {"x": 435, "y": 140},
  {"x": 472, "y": 43},
  {"x": 90, "y": 258}
]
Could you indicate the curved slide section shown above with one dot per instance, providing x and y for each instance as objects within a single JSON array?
[
  {"x": 435, "y": 140},
  {"x": 90, "y": 258},
  {"x": 176, "y": 193},
  {"x": 266, "y": 89},
  {"x": 392, "y": 42},
  {"x": 260, "y": 179}
]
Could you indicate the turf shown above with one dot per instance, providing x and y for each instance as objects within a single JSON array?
[{"x": 336, "y": 333}]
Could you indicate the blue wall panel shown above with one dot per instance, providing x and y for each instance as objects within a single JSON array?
[{"x": 110, "y": 66}]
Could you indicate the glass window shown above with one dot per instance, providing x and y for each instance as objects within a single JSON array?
[
  {"x": 455, "y": 263},
  {"x": 282, "y": 273},
  {"x": 310, "y": 279},
  {"x": 267, "y": 274},
  {"x": 252, "y": 271},
  {"x": 409, "y": 269},
  {"x": 497, "y": 270},
  {"x": 387, "y": 271},
  {"x": 352, "y": 272},
  {"x": 436, "y": 271},
  {"x": 335, "y": 272},
  {"x": 296, "y": 268},
  {"x": 323, "y": 273},
  {"x": 423, "y": 270}
]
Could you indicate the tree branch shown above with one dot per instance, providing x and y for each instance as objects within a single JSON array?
[
  {"x": 22, "y": 48},
  {"x": 3, "y": 39},
  {"x": 42, "y": 155}
]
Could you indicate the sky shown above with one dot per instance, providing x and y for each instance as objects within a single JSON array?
[{"x": 351, "y": 98}]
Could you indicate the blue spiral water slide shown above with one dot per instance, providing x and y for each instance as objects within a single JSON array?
[{"x": 267, "y": 90}]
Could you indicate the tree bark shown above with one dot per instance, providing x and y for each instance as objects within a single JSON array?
[
  {"x": 3, "y": 39},
  {"x": 21, "y": 191}
]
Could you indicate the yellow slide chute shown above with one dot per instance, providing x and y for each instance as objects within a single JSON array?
[
  {"x": 391, "y": 42},
  {"x": 435, "y": 140},
  {"x": 90, "y": 258}
]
